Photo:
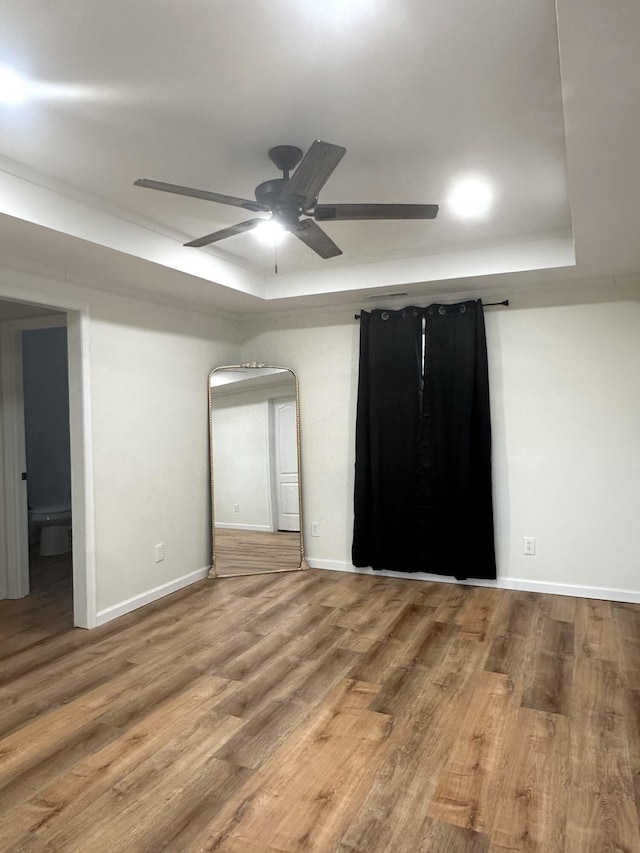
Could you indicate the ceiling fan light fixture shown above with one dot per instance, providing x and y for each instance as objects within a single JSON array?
[
  {"x": 470, "y": 197},
  {"x": 270, "y": 232}
]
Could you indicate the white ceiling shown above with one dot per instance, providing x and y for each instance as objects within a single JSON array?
[{"x": 419, "y": 93}]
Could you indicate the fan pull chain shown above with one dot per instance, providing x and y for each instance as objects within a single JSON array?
[{"x": 275, "y": 258}]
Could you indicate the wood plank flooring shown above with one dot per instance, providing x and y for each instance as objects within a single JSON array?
[
  {"x": 320, "y": 711},
  {"x": 247, "y": 552},
  {"x": 47, "y": 611}
]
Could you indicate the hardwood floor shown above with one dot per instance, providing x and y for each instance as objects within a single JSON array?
[
  {"x": 324, "y": 712},
  {"x": 248, "y": 552},
  {"x": 47, "y": 611}
]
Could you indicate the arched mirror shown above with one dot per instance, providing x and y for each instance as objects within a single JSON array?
[{"x": 256, "y": 487}]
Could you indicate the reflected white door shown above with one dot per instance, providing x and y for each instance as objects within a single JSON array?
[{"x": 286, "y": 465}]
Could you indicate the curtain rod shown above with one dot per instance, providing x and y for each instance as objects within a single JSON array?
[{"x": 504, "y": 302}]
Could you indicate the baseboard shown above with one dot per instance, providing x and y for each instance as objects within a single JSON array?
[
  {"x": 116, "y": 610},
  {"x": 264, "y": 528},
  {"x": 523, "y": 584}
]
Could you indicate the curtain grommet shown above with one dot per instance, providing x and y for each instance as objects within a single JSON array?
[
  {"x": 385, "y": 315},
  {"x": 442, "y": 310},
  {"x": 463, "y": 308}
]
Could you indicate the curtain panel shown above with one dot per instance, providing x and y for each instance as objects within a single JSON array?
[
  {"x": 423, "y": 491},
  {"x": 387, "y": 433}
]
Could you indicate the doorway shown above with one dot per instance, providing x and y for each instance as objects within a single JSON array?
[
  {"x": 60, "y": 578},
  {"x": 48, "y": 466}
]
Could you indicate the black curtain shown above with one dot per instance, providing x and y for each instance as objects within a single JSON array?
[
  {"x": 387, "y": 430},
  {"x": 436, "y": 466}
]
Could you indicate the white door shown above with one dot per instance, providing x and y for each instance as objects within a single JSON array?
[
  {"x": 286, "y": 465},
  {"x": 14, "y": 547}
]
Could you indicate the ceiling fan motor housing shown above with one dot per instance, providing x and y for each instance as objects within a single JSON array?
[{"x": 269, "y": 192}]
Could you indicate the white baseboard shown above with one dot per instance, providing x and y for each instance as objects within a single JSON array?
[
  {"x": 116, "y": 610},
  {"x": 265, "y": 528},
  {"x": 523, "y": 584}
]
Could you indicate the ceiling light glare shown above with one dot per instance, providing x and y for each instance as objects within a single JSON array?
[
  {"x": 269, "y": 232},
  {"x": 351, "y": 10},
  {"x": 13, "y": 87},
  {"x": 470, "y": 198}
]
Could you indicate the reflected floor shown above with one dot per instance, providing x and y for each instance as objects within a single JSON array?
[{"x": 244, "y": 552}]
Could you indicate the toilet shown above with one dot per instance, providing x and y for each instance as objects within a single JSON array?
[{"x": 51, "y": 526}]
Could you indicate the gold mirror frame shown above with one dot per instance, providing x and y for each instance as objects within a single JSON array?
[{"x": 255, "y": 365}]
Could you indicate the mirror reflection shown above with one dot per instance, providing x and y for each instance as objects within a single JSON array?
[{"x": 256, "y": 511}]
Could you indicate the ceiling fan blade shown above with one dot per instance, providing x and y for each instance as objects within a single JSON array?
[
  {"x": 315, "y": 238},
  {"x": 203, "y": 194},
  {"x": 332, "y": 212},
  {"x": 313, "y": 172},
  {"x": 240, "y": 228}
]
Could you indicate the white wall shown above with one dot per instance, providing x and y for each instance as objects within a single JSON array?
[
  {"x": 565, "y": 399},
  {"x": 566, "y": 420},
  {"x": 323, "y": 350},
  {"x": 241, "y": 462},
  {"x": 148, "y": 369}
]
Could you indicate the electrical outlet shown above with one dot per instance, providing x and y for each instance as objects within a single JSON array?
[
  {"x": 529, "y": 546},
  {"x": 315, "y": 528},
  {"x": 159, "y": 552},
  {"x": 236, "y": 507}
]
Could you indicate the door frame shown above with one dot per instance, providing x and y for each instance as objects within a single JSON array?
[{"x": 12, "y": 435}]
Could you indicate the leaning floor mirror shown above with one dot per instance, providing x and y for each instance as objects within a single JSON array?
[{"x": 256, "y": 481}]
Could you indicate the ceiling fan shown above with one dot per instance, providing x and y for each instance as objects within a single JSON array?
[{"x": 295, "y": 195}]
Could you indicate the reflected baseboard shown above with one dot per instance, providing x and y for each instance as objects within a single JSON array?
[
  {"x": 262, "y": 528},
  {"x": 216, "y": 576}
]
